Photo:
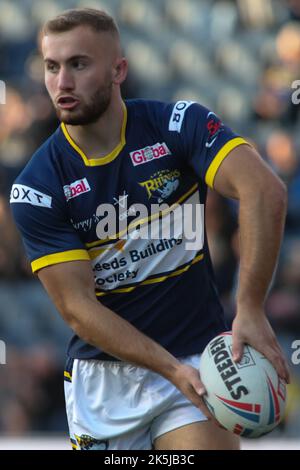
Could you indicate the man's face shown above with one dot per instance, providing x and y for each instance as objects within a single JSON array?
[{"x": 79, "y": 70}]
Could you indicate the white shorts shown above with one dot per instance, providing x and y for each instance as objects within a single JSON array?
[{"x": 117, "y": 406}]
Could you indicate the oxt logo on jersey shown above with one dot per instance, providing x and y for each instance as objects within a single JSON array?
[{"x": 24, "y": 194}]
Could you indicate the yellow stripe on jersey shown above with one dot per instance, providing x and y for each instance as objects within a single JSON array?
[
  {"x": 153, "y": 280},
  {"x": 107, "y": 158},
  {"x": 118, "y": 246},
  {"x": 215, "y": 164},
  {"x": 55, "y": 258},
  {"x": 146, "y": 220},
  {"x": 67, "y": 375}
]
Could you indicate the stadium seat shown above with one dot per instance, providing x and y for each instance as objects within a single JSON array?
[
  {"x": 224, "y": 18},
  {"x": 107, "y": 5},
  {"x": 189, "y": 61},
  {"x": 239, "y": 108},
  {"x": 14, "y": 24},
  {"x": 40, "y": 15},
  {"x": 193, "y": 94},
  {"x": 147, "y": 63},
  {"x": 189, "y": 16},
  {"x": 236, "y": 61},
  {"x": 141, "y": 14}
]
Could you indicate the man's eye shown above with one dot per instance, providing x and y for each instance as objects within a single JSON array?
[
  {"x": 79, "y": 64},
  {"x": 51, "y": 67}
]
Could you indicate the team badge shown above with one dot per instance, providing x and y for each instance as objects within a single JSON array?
[
  {"x": 87, "y": 442},
  {"x": 162, "y": 184}
]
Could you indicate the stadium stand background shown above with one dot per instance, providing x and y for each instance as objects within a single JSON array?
[{"x": 237, "y": 57}]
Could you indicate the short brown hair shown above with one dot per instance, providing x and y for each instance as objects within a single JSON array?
[{"x": 98, "y": 20}]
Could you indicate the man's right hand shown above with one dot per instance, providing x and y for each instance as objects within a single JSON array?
[{"x": 187, "y": 379}]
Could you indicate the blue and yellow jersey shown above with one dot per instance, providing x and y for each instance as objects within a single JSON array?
[{"x": 137, "y": 215}]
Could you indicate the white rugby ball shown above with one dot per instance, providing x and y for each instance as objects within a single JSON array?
[{"x": 247, "y": 398}]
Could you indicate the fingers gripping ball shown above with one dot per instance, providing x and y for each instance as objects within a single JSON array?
[{"x": 247, "y": 398}]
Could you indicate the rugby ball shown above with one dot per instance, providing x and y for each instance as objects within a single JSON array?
[{"x": 247, "y": 398}]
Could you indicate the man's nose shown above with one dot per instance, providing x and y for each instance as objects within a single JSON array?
[{"x": 65, "y": 80}]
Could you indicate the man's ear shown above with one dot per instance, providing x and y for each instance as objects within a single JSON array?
[{"x": 120, "y": 71}]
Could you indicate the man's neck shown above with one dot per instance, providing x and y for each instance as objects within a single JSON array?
[{"x": 100, "y": 138}]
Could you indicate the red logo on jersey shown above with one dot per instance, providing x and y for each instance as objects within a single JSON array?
[
  {"x": 214, "y": 126},
  {"x": 145, "y": 155},
  {"x": 76, "y": 189}
]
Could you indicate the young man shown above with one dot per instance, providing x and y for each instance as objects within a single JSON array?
[{"x": 142, "y": 307}]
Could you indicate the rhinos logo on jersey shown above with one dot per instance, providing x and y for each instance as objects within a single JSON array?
[
  {"x": 87, "y": 442},
  {"x": 214, "y": 127},
  {"x": 162, "y": 184}
]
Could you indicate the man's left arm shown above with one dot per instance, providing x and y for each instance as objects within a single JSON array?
[{"x": 244, "y": 176}]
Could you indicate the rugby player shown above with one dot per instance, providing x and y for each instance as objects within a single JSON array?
[{"x": 142, "y": 308}]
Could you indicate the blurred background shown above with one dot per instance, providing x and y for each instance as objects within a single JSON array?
[{"x": 238, "y": 58}]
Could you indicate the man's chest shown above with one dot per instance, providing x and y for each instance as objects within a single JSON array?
[{"x": 134, "y": 185}]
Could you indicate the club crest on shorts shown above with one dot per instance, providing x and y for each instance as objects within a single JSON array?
[{"x": 87, "y": 442}]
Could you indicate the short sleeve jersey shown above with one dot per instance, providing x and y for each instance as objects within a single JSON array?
[{"x": 137, "y": 215}]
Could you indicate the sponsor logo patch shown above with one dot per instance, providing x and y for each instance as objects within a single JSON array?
[
  {"x": 76, "y": 189},
  {"x": 147, "y": 154},
  {"x": 214, "y": 126},
  {"x": 24, "y": 194},
  {"x": 177, "y": 115}
]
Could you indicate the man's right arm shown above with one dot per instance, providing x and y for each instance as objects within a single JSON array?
[{"x": 71, "y": 287}]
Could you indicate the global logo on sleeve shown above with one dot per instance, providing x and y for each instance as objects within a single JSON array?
[
  {"x": 77, "y": 188},
  {"x": 147, "y": 154},
  {"x": 161, "y": 184},
  {"x": 214, "y": 126}
]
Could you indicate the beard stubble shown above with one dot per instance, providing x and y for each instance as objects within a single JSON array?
[{"x": 90, "y": 112}]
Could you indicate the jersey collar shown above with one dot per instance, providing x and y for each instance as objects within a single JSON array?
[{"x": 107, "y": 158}]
